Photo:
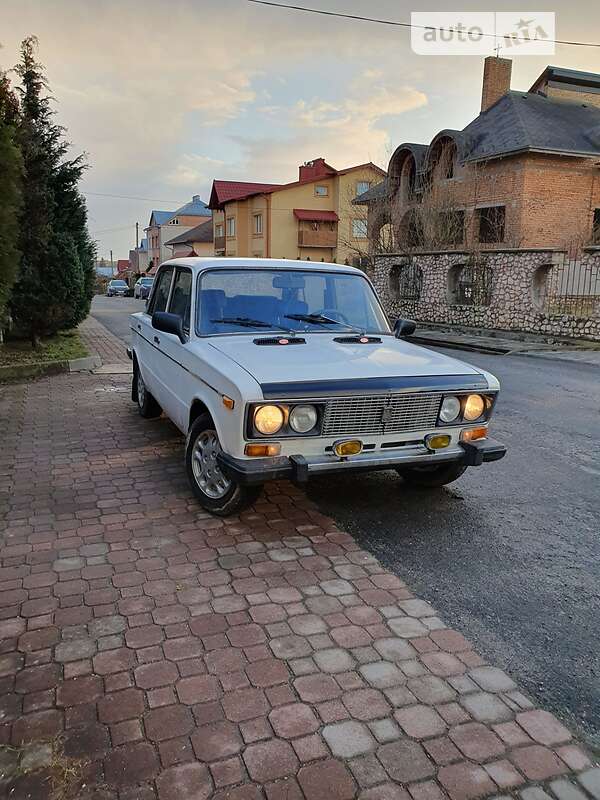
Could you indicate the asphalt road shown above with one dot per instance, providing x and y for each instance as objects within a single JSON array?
[
  {"x": 510, "y": 554},
  {"x": 114, "y": 313}
]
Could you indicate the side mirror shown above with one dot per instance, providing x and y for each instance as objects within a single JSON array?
[
  {"x": 168, "y": 323},
  {"x": 404, "y": 327}
]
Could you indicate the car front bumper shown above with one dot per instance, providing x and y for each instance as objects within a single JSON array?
[{"x": 298, "y": 468}]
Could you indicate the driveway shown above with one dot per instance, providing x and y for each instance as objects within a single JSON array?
[
  {"x": 153, "y": 652},
  {"x": 511, "y": 552}
]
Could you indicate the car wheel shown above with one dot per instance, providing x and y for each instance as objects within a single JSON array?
[
  {"x": 430, "y": 477},
  {"x": 147, "y": 405},
  {"x": 216, "y": 492}
]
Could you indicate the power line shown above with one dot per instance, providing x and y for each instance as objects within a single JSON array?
[
  {"x": 290, "y": 7},
  {"x": 110, "y": 230},
  {"x": 129, "y": 197}
]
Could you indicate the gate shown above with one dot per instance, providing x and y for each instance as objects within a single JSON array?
[{"x": 573, "y": 287}]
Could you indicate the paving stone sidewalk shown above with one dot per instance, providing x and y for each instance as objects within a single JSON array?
[
  {"x": 101, "y": 342},
  {"x": 152, "y": 652}
]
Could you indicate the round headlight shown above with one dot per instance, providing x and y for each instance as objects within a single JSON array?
[
  {"x": 474, "y": 407},
  {"x": 268, "y": 420},
  {"x": 303, "y": 418},
  {"x": 450, "y": 409}
]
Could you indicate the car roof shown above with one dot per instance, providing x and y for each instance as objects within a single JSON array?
[{"x": 220, "y": 262}]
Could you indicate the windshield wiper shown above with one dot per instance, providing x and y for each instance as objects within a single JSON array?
[
  {"x": 247, "y": 322},
  {"x": 321, "y": 319}
]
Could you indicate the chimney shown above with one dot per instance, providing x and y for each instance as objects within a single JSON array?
[
  {"x": 496, "y": 80},
  {"x": 311, "y": 170}
]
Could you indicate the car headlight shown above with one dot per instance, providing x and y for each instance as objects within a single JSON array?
[
  {"x": 450, "y": 410},
  {"x": 303, "y": 418},
  {"x": 474, "y": 407},
  {"x": 268, "y": 420}
]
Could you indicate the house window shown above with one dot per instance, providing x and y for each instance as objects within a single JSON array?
[
  {"x": 258, "y": 224},
  {"x": 362, "y": 187},
  {"x": 359, "y": 228},
  {"x": 491, "y": 224},
  {"x": 174, "y": 221},
  {"x": 321, "y": 191},
  {"x": 230, "y": 226},
  {"x": 219, "y": 229},
  {"x": 596, "y": 227}
]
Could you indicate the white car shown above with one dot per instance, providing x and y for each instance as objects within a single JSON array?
[{"x": 277, "y": 369}]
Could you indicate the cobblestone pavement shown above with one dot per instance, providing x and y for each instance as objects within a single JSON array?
[{"x": 152, "y": 651}]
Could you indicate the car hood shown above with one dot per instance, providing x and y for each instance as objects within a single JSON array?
[{"x": 322, "y": 358}]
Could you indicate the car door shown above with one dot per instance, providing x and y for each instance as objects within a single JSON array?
[
  {"x": 151, "y": 360},
  {"x": 177, "y": 357}
]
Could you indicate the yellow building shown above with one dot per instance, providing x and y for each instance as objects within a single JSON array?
[
  {"x": 311, "y": 218},
  {"x": 196, "y": 242}
]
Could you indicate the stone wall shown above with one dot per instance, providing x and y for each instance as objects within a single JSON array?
[{"x": 515, "y": 293}]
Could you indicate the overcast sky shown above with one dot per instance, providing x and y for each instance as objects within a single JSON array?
[{"x": 165, "y": 96}]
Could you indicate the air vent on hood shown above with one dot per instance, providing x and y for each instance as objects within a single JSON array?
[
  {"x": 282, "y": 341},
  {"x": 357, "y": 339}
]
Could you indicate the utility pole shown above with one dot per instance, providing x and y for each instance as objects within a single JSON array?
[
  {"x": 112, "y": 269},
  {"x": 137, "y": 235}
]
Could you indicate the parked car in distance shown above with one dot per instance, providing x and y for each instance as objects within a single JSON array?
[
  {"x": 117, "y": 288},
  {"x": 278, "y": 369},
  {"x": 142, "y": 287}
]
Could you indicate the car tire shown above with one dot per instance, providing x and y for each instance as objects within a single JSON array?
[
  {"x": 147, "y": 405},
  {"x": 215, "y": 492},
  {"x": 432, "y": 477}
]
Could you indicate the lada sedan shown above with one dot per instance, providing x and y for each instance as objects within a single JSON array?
[{"x": 277, "y": 369}]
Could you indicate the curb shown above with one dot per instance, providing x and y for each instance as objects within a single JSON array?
[{"x": 23, "y": 371}]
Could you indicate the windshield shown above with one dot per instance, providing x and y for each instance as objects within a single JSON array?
[
  {"x": 147, "y": 281},
  {"x": 118, "y": 283},
  {"x": 243, "y": 300}
]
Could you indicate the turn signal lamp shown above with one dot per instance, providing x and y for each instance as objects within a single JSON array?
[
  {"x": 437, "y": 441},
  {"x": 262, "y": 450},
  {"x": 347, "y": 447},
  {"x": 228, "y": 402},
  {"x": 473, "y": 434}
]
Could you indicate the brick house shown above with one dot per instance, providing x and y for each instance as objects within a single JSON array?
[
  {"x": 310, "y": 218},
  {"x": 164, "y": 225},
  {"x": 524, "y": 174}
]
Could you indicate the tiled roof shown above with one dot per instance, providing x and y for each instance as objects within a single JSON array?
[
  {"x": 521, "y": 121},
  {"x": 123, "y": 264},
  {"x": 377, "y": 192},
  {"x": 160, "y": 217},
  {"x": 201, "y": 233},
  {"x": 195, "y": 208},
  {"x": 361, "y": 166},
  {"x": 225, "y": 191},
  {"x": 313, "y": 215}
]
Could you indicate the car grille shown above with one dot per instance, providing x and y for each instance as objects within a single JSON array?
[{"x": 381, "y": 414}]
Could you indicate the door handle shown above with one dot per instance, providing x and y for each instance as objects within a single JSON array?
[
  {"x": 139, "y": 327},
  {"x": 157, "y": 340}
]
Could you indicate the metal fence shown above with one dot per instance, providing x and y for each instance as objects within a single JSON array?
[{"x": 573, "y": 287}]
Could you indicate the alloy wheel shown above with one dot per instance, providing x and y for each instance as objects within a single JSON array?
[{"x": 205, "y": 467}]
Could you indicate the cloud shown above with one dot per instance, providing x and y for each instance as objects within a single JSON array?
[
  {"x": 192, "y": 171},
  {"x": 138, "y": 84}
]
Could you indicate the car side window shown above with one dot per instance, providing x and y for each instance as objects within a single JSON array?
[
  {"x": 181, "y": 297},
  {"x": 161, "y": 293}
]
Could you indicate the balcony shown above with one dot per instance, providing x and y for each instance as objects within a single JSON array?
[
  {"x": 219, "y": 244},
  {"x": 321, "y": 237}
]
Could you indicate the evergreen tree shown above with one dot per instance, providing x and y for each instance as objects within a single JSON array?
[
  {"x": 55, "y": 284},
  {"x": 10, "y": 194}
]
